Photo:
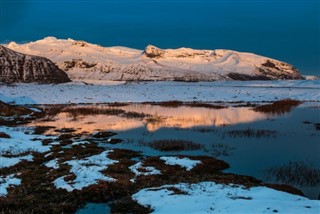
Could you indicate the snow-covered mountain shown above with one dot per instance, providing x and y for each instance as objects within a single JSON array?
[
  {"x": 18, "y": 67},
  {"x": 85, "y": 61}
]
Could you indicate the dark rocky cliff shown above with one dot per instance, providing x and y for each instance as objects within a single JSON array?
[{"x": 18, "y": 67}]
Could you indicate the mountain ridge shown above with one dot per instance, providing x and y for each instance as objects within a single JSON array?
[{"x": 82, "y": 60}]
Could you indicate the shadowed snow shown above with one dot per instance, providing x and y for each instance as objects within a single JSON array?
[{"x": 209, "y": 197}]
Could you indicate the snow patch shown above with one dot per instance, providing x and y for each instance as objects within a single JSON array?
[
  {"x": 6, "y": 182},
  {"x": 87, "y": 172},
  {"x": 210, "y": 197},
  {"x": 138, "y": 169},
  {"x": 11, "y": 161},
  {"x": 53, "y": 164},
  {"x": 21, "y": 141},
  {"x": 183, "y": 162}
]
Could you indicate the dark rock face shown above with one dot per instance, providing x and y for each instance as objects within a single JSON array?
[
  {"x": 18, "y": 67},
  {"x": 77, "y": 63},
  {"x": 244, "y": 77},
  {"x": 270, "y": 70},
  {"x": 278, "y": 70}
]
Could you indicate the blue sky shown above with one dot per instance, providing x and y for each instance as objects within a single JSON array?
[{"x": 284, "y": 30}]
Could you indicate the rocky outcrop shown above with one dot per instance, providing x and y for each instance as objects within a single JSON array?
[
  {"x": 153, "y": 52},
  {"x": 18, "y": 67},
  {"x": 274, "y": 69}
]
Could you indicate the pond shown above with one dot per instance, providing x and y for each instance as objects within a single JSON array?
[
  {"x": 97, "y": 208},
  {"x": 279, "y": 147}
]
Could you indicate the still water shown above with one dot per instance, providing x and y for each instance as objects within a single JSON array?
[{"x": 253, "y": 143}]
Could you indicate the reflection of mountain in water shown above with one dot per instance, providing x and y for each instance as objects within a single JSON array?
[
  {"x": 188, "y": 117},
  {"x": 156, "y": 117}
]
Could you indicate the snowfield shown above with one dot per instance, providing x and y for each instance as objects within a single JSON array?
[
  {"x": 225, "y": 91},
  {"x": 209, "y": 197}
]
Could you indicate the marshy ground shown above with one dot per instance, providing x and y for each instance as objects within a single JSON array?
[{"x": 65, "y": 156}]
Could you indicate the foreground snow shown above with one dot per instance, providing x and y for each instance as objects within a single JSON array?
[
  {"x": 225, "y": 91},
  {"x": 209, "y": 197},
  {"x": 52, "y": 164},
  {"x": 6, "y": 182},
  {"x": 11, "y": 161},
  {"x": 182, "y": 162},
  {"x": 139, "y": 170},
  {"x": 87, "y": 172},
  {"x": 21, "y": 142}
]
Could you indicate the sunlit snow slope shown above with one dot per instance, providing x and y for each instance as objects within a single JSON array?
[{"x": 85, "y": 61}]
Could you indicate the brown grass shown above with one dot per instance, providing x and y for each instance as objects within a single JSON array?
[
  {"x": 38, "y": 130},
  {"x": 114, "y": 141},
  {"x": 170, "y": 104},
  {"x": 91, "y": 110},
  {"x": 251, "y": 133},
  {"x": 66, "y": 136},
  {"x": 205, "y": 130},
  {"x": 16, "y": 115},
  {"x": 173, "y": 145},
  {"x": 221, "y": 150},
  {"x": 295, "y": 173},
  {"x": 176, "y": 104},
  {"x": 4, "y": 135},
  {"x": 38, "y": 195},
  {"x": 65, "y": 130},
  {"x": 285, "y": 188},
  {"x": 127, "y": 205},
  {"x": 278, "y": 107},
  {"x": 13, "y": 110},
  {"x": 205, "y": 105},
  {"x": 177, "y": 191},
  {"x": 103, "y": 134},
  {"x": 131, "y": 114},
  {"x": 98, "y": 110}
]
